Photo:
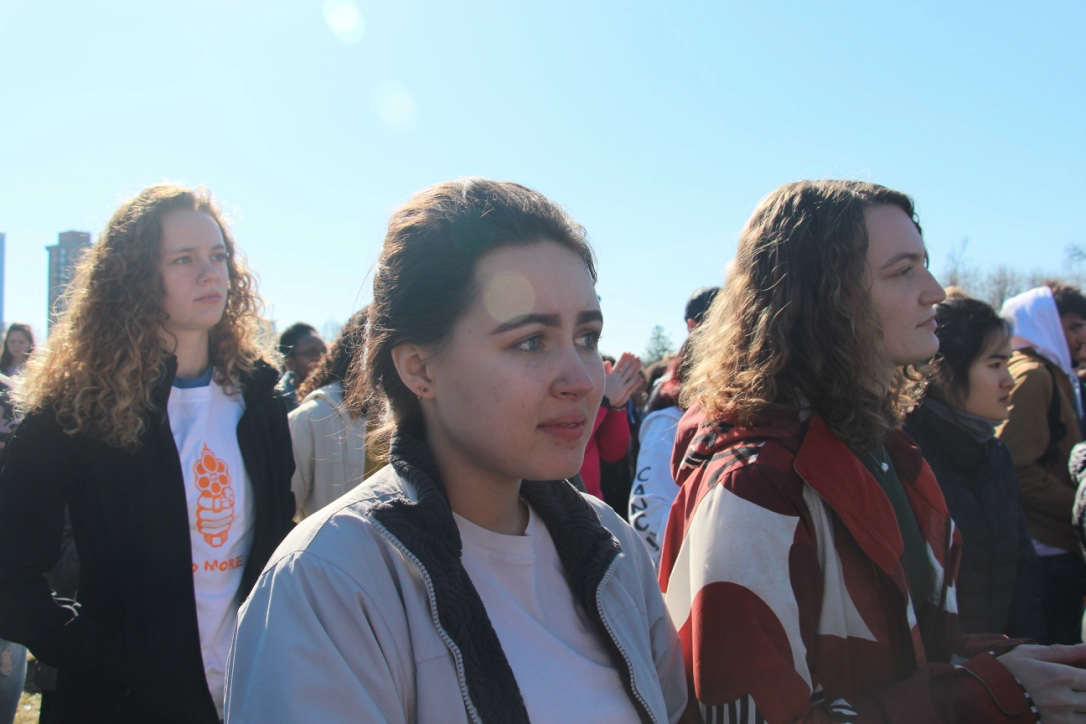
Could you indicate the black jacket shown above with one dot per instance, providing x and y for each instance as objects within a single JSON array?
[
  {"x": 133, "y": 652},
  {"x": 998, "y": 584}
]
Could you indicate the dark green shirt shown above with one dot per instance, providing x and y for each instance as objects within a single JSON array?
[{"x": 917, "y": 564}]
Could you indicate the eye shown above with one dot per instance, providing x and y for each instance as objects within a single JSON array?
[
  {"x": 530, "y": 344},
  {"x": 182, "y": 260},
  {"x": 590, "y": 339},
  {"x": 220, "y": 257},
  {"x": 906, "y": 271}
]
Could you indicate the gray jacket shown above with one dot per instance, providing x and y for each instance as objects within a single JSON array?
[{"x": 365, "y": 612}]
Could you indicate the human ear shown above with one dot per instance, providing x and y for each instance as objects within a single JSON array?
[{"x": 410, "y": 361}]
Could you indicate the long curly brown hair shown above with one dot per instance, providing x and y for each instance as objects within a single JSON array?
[
  {"x": 105, "y": 354},
  {"x": 793, "y": 328}
]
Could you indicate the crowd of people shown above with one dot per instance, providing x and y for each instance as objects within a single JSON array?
[{"x": 850, "y": 497}]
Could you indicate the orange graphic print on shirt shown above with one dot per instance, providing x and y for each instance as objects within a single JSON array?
[{"x": 215, "y": 506}]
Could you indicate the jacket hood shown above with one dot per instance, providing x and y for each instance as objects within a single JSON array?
[
  {"x": 1037, "y": 324},
  {"x": 697, "y": 439}
]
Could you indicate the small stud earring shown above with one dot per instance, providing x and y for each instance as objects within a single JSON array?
[{"x": 421, "y": 392}]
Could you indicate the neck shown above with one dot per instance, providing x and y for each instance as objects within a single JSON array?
[
  {"x": 481, "y": 494},
  {"x": 497, "y": 508},
  {"x": 488, "y": 501},
  {"x": 191, "y": 350}
]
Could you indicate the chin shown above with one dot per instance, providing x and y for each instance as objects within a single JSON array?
[{"x": 554, "y": 471}]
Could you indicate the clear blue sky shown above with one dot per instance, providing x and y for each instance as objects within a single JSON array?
[{"x": 658, "y": 125}]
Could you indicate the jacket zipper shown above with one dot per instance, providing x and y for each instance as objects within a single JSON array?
[
  {"x": 614, "y": 639},
  {"x": 457, "y": 657}
]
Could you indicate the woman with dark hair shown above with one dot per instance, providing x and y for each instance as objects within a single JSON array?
[
  {"x": 151, "y": 417},
  {"x": 329, "y": 438},
  {"x": 809, "y": 560},
  {"x": 18, "y": 344},
  {"x": 466, "y": 580},
  {"x": 999, "y": 586}
]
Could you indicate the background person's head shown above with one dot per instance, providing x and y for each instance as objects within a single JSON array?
[
  {"x": 697, "y": 305},
  {"x": 113, "y": 336},
  {"x": 970, "y": 371},
  {"x": 1071, "y": 305},
  {"x": 302, "y": 348},
  {"x": 826, "y": 306},
  {"x": 456, "y": 247},
  {"x": 344, "y": 353},
  {"x": 18, "y": 344}
]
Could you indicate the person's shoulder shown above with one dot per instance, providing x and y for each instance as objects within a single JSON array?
[
  {"x": 1025, "y": 363},
  {"x": 609, "y": 519},
  {"x": 42, "y": 422}
]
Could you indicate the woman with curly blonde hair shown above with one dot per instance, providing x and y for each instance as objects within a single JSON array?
[
  {"x": 809, "y": 560},
  {"x": 151, "y": 417}
]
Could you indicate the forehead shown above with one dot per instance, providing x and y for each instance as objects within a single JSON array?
[
  {"x": 542, "y": 277},
  {"x": 309, "y": 340},
  {"x": 891, "y": 233},
  {"x": 186, "y": 228},
  {"x": 1072, "y": 319}
]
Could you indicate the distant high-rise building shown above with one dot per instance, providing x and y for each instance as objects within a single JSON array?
[{"x": 63, "y": 258}]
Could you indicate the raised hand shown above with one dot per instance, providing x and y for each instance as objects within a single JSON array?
[{"x": 622, "y": 379}]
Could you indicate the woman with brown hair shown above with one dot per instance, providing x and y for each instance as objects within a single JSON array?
[
  {"x": 809, "y": 560},
  {"x": 468, "y": 580},
  {"x": 18, "y": 344},
  {"x": 151, "y": 417}
]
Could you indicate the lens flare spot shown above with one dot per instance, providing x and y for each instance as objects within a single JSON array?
[
  {"x": 395, "y": 106},
  {"x": 345, "y": 21},
  {"x": 508, "y": 295}
]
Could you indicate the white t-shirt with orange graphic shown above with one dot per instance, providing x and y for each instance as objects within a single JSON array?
[{"x": 204, "y": 422}]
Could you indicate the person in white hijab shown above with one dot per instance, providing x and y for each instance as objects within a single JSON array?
[{"x": 1043, "y": 426}]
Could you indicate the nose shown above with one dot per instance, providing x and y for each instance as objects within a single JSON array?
[
  {"x": 579, "y": 374},
  {"x": 1006, "y": 381},
  {"x": 933, "y": 291},
  {"x": 209, "y": 269}
]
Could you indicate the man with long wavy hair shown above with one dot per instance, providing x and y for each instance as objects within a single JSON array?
[
  {"x": 151, "y": 418},
  {"x": 809, "y": 560}
]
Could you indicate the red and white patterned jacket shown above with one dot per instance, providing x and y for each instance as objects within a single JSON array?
[{"x": 783, "y": 569}]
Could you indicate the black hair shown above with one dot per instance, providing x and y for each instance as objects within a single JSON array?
[
  {"x": 1069, "y": 299},
  {"x": 967, "y": 327},
  {"x": 292, "y": 334}
]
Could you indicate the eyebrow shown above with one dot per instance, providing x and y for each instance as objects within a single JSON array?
[
  {"x": 909, "y": 255},
  {"x": 190, "y": 249},
  {"x": 999, "y": 355},
  {"x": 547, "y": 320}
]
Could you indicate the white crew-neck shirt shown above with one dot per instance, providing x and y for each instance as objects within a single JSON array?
[
  {"x": 204, "y": 421},
  {"x": 560, "y": 663}
]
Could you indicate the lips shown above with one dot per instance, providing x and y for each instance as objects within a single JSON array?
[
  {"x": 928, "y": 323},
  {"x": 569, "y": 428},
  {"x": 213, "y": 298}
]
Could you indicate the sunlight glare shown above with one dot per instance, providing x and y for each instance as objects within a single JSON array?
[
  {"x": 344, "y": 19},
  {"x": 508, "y": 295},
  {"x": 395, "y": 106}
]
